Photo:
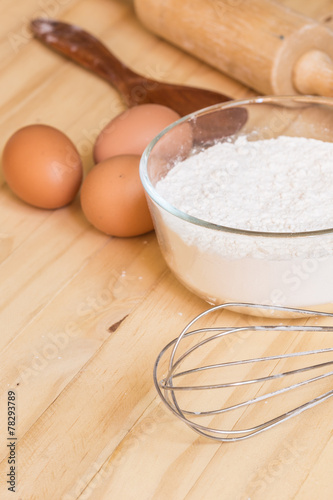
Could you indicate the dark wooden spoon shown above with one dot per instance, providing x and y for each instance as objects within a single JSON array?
[{"x": 83, "y": 48}]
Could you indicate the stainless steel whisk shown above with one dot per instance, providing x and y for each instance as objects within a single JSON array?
[{"x": 175, "y": 384}]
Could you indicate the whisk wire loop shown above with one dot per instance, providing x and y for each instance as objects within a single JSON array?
[{"x": 168, "y": 389}]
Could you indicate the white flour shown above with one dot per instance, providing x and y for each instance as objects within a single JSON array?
[
  {"x": 280, "y": 185},
  {"x": 275, "y": 185}
]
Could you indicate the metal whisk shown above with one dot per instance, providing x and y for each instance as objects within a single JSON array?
[{"x": 196, "y": 400}]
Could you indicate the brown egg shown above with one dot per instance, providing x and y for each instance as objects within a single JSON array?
[
  {"x": 131, "y": 131},
  {"x": 42, "y": 166},
  {"x": 113, "y": 198}
]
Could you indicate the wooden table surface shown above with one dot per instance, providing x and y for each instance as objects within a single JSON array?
[{"x": 83, "y": 316}]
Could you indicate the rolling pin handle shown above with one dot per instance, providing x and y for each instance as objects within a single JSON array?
[{"x": 313, "y": 74}]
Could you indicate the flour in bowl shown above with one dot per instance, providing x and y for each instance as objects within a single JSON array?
[{"x": 273, "y": 185}]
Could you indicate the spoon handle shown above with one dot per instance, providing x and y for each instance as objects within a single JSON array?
[{"x": 86, "y": 50}]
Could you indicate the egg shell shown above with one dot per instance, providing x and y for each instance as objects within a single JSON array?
[
  {"x": 113, "y": 199},
  {"x": 42, "y": 166},
  {"x": 131, "y": 131}
]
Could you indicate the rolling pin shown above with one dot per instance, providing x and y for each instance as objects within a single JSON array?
[{"x": 260, "y": 43}]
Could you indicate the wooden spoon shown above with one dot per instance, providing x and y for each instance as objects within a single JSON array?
[{"x": 86, "y": 50}]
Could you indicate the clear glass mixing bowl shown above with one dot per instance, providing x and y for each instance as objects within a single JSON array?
[{"x": 228, "y": 264}]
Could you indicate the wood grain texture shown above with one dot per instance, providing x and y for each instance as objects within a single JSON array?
[{"x": 83, "y": 316}]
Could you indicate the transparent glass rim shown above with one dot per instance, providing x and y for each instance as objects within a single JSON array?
[{"x": 168, "y": 207}]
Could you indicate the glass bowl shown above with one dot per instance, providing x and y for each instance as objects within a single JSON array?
[{"x": 234, "y": 264}]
